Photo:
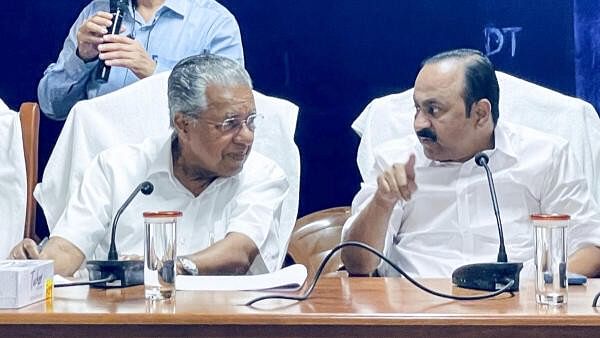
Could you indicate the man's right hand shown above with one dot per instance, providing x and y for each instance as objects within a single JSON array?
[
  {"x": 90, "y": 35},
  {"x": 396, "y": 183},
  {"x": 370, "y": 226},
  {"x": 66, "y": 256},
  {"x": 26, "y": 249}
]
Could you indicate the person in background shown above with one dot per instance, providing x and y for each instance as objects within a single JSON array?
[
  {"x": 426, "y": 202},
  {"x": 155, "y": 35},
  {"x": 230, "y": 197}
]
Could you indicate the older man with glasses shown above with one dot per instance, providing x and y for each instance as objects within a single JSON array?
[{"x": 230, "y": 197}]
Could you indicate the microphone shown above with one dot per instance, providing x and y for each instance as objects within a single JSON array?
[
  {"x": 482, "y": 160},
  {"x": 146, "y": 188},
  {"x": 489, "y": 276},
  {"x": 125, "y": 273},
  {"x": 117, "y": 9}
]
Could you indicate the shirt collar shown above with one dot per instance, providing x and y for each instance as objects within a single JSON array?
[
  {"x": 163, "y": 162},
  {"x": 178, "y": 6},
  {"x": 502, "y": 146}
]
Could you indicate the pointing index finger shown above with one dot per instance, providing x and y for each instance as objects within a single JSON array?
[{"x": 410, "y": 167}]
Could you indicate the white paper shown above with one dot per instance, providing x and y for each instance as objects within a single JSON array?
[
  {"x": 59, "y": 280},
  {"x": 289, "y": 278},
  {"x": 79, "y": 276}
]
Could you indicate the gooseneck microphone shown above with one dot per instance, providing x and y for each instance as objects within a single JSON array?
[
  {"x": 123, "y": 273},
  {"x": 489, "y": 276},
  {"x": 117, "y": 9},
  {"x": 482, "y": 160},
  {"x": 146, "y": 188}
]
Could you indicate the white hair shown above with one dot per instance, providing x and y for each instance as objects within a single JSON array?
[{"x": 191, "y": 76}]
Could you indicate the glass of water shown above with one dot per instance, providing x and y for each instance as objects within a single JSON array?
[
  {"x": 550, "y": 238},
  {"x": 160, "y": 254}
]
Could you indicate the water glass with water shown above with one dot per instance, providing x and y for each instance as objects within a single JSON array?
[
  {"x": 160, "y": 254},
  {"x": 550, "y": 238}
]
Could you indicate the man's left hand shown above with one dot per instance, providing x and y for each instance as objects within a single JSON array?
[{"x": 122, "y": 51}]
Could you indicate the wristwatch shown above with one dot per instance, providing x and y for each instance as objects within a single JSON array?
[{"x": 188, "y": 265}]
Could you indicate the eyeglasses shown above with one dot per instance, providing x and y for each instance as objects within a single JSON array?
[{"x": 235, "y": 123}]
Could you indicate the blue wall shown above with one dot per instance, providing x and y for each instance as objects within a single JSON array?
[
  {"x": 587, "y": 50},
  {"x": 329, "y": 57},
  {"x": 333, "y": 57}
]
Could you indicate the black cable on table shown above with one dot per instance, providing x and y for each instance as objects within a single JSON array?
[
  {"x": 393, "y": 265},
  {"x": 108, "y": 279}
]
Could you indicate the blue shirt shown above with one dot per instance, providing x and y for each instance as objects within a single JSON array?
[{"x": 180, "y": 28}]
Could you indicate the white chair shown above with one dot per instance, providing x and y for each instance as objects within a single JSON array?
[
  {"x": 13, "y": 181},
  {"x": 140, "y": 110},
  {"x": 521, "y": 102}
]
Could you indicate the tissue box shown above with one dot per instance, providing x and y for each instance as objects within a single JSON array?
[{"x": 25, "y": 282}]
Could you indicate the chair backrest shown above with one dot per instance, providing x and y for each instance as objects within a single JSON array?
[
  {"x": 140, "y": 110},
  {"x": 29, "y": 115},
  {"x": 315, "y": 235},
  {"x": 13, "y": 180},
  {"x": 521, "y": 102}
]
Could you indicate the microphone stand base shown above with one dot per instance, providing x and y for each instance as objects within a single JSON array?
[
  {"x": 127, "y": 273},
  {"x": 487, "y": 276}
]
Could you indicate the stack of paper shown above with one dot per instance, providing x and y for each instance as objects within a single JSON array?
[{"x": 289, "y": 278}]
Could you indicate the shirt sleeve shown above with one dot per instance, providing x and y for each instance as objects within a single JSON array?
[
  {"x": 64, "y": 82},
  {"x": 364, "y": 197},
  {"x": 208, "y": 31},
  {"x": 87, "y": 216},
  {"x": 566, "y": 191},
  {"x": 226, "y": 40},
  {"x": 256, "y": 211}
]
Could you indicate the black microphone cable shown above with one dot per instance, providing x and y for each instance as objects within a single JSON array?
[
  {"x": 392, "y": 264},
  {"x": 595, "y": 301},
  {"x": 110, "y": 278}
]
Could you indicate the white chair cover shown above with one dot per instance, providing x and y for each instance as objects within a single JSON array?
[
  {"x": 140, "y": 110},
  {"x": 13, "y": 181},
  {"x": 521, "y": 102}
]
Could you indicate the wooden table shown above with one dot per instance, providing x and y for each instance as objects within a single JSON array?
[{"x": 344, "y": 307}]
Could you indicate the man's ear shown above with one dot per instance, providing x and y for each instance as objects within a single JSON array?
[
  {"x": 182, "y": 125},
  {"x": 482, "y": 112}
]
